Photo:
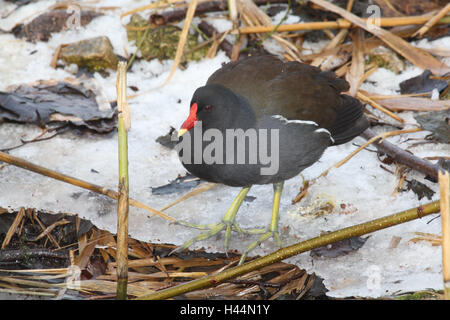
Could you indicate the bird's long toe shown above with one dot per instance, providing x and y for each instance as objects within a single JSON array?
[
  {"x": 267, "y": 235},
  {"x": 213, "y": 230}
]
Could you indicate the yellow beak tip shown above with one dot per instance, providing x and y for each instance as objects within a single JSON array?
[{"x": 181, "y": 132}]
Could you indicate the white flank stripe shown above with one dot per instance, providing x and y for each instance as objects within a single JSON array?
[
  {"x": 326, "y": 131},
  {"x": 323, "y": 130},
  {"x": 295, "y": 121}
]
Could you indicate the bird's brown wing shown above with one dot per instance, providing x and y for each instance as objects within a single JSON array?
[
  {"x": 293, "y": 90},
  {"x": 248, "y": 77}
]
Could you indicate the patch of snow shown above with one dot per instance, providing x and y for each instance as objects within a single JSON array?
[
  {"x": 310, "y": 47},
  {"x": 219, "y": 23},
  {"x": 290, "y": 19},
  {"x": 386, "y": 82}
]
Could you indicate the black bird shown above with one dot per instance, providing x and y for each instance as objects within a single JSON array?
[{"x": 260, "y": 120}]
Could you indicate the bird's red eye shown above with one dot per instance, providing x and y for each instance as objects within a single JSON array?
[{"x": 207, "y": 107}]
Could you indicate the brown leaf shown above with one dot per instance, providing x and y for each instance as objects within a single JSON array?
[
  {"x": 422, "y": 83},
  {"x": 420, "y": 189},
  {"x": 437, "y": 122},
  {"x": 45, "y": 102},
  {"x": 339, "y": 248},
  {"x": 414, "y": 104}
]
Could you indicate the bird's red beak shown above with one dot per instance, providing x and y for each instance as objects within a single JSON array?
[{"x": 190, "y": 121}]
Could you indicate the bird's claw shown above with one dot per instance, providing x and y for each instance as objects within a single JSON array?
[
  {"x": 268, "y": 234},
  {"x": 214, "y": 229}
]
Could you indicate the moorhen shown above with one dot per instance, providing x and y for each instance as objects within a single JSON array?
[{"x": 260, "y": 120}]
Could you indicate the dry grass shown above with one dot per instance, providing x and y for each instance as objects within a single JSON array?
[{"x": 150, "y": 269}]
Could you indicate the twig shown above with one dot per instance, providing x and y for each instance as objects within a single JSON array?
[
  {"x": 323, "y": 240},
  {"x": 13, "y": 227},
  {"x": 370, "y": 70},
  {"x": 199, "y": 189},
  {"x": 444, "y": 185},
  {"x": 14, "y": 255},
  {"x": 18, "y": 162},
  {"x": 237, "y": 47},
  {"x": 379, "y": 107},
  {"x": 158, "y": 4},
  {"x": 303, "y": 190},
  {"x": 252, "y": 15},
  {"x": 38, "y": 137},
  {"x": 401, "y": 156},
  {"x": 56, "y": 55},
  {"x": 183, "y": 38},
  {"x": 210, "y": 6},
  {"x": 337, "y": 40},
  {"x": 50, "y": 228},
  {"x": 233, "y": 12},
  {"x": 381, "y": 137},
  {"x": 180, "y": 14},
  {"x": 140, "y": 43},
  {"x": 209, "y": 30},
  {"x": 339, "y": 24},
  {"x": 349, "y": 5},
  {"x": 430, "y": 23},
  {"x": 43, "y": 227}
]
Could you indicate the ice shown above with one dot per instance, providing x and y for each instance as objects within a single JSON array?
[{"x": 361, "y": 185}]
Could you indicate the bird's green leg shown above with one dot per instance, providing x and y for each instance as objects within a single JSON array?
[
  {"x": 228, "y": 223},
  {"x": 272, "y": 230}
]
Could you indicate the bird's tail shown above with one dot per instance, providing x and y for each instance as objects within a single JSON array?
[{"x": 351, "y": 121}]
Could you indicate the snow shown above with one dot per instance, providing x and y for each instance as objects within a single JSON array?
[
  {"x": 365, "y": 188},
  {"x": 290, "y": 19}
]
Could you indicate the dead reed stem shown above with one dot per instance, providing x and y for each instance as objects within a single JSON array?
[
  {"x": 13, "y": 227},
  {"x": 199, "y": 189},
  {"x": 444, "y": 186},
  {"x": 376, "y": 105},
  {"x": 418, "y": 57},
  {"x": 123, "y": 202},
  {"x": 369, "y": 142},
  {"x": 183, "y": 38},
  {"x": 339, "y": 24},
  {"x": 435, "y": 19},
  {"x": 402, "y": 156}
]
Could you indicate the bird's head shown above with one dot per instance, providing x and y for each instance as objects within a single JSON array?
[{"x": 216, "y": 106}]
